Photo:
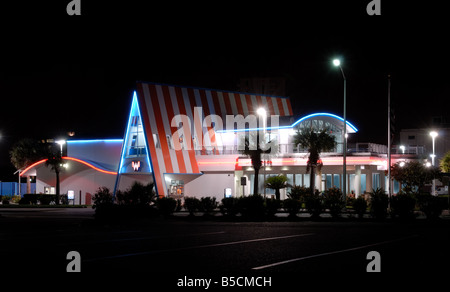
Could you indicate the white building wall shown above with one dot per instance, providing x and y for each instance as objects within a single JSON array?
[{"x": 210, "y": 185}]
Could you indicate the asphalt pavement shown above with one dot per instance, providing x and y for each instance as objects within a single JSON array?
[{"x": 39, "y": 240}]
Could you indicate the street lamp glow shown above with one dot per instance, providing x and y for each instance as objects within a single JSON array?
[
  {"x": 61, "y": 143},
  {"x": 337, "y": 63},
  {"x": 433, "y": 135},
  {"x": 261, "y": 111}
]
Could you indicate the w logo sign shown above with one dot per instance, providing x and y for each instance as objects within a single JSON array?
[{"x": 136, "y": 165}]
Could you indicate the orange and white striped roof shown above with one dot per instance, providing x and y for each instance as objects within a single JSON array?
[{"x": 160, "y": 103}]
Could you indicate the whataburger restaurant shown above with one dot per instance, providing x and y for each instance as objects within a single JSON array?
[{"x": 186, "y": 141}]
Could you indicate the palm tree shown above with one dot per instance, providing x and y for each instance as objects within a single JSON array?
[
  {"x": 276, "y": 183},
  {"x": 316, "y": 143},
  {"x": 251, "y": 147},
  {"x": 24, "y": 153},
  {"x": 55, "y": 161}
]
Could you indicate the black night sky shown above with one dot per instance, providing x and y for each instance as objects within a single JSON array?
[{"x": 61, "y": 73}]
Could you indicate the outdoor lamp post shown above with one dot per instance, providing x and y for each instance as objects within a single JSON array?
[
  {"x": 337, "y": 63},
  {"x": 433, "y": 135},
  {"x": 61, "y": 143},
  {"x": 262, "y": 113}
]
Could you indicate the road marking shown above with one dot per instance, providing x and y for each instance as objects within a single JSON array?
[
  {"x": 331, "y": 252},
  {"x": 198, "y": 246},
  {"x": 142, "y": 238}
]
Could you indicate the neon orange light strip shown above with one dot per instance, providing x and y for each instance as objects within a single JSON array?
[{"x": 69, "y": 158}]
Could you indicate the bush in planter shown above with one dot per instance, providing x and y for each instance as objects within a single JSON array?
[
  {"x": 402, "y": 205},
  {"x": 166, "y": 205},
  {"x": 252, "y": 207},
  {"x": 271, "y": 206},
  {"x": 379, "y": 202},
  {"x": 229, "y": 206},
  {"x": 191, "y": 204},
  {"x": 28, "y": 199},
  {"x": 137, "y": 194},
  {"x": 5, "y": 200},
  {"x": 298, "y": 192},
  {"x": 314, "y": 204},
  {"x": 208, "y": 205},
  {"x": 360, "y": 206},
  {"x": 292, "y": 206},
  {"x": 103, "y": 203},
  {"x": 46, "y": 199},
  {"x": 431, "y": 206},
  {"x": 334, "y": 201}
]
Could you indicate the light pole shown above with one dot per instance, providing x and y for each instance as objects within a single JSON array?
[
  {"x": 262, "y": 113},
  {"x": 337, "y": 63},
  {"x": 433, "y": 135},
  {"x": 61, "y": 143}
]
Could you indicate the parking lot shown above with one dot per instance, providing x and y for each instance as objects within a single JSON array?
[{"x": 39, "y": 240}]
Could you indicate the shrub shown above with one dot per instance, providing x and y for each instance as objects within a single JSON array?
[
  {"x": 298, "y": 193},
  {"x": 229, "y": 206},
  {"x": 46, "y": 199},
  {"x": 430, "y": 205},
  {"x": 276, "y": 183},
  {"x": 137, "y": 194},
  {"x": 333, "y": 200},
  {"x": 5, "y": 200},
  {"x": 103, "y": 197},
  {"x": 272, "y": 206},
  {"x": 207, "y": 205},
  {"x": 103, "y": 203},
  {"x": 166, "y": 206},
  {"x": 360, "y": 206},
  {"x": 292, "y": 206},
  {"x": 28, "y": 199},
  {"x": 403, "y": 205},
  {"x": 314, "y": 204},
  {"x": 379, "y": 202},
  {"x": 252, "y": 207},
  {"x": 191, "y": 204}
]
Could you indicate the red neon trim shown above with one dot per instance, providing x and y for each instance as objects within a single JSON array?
[
  {"x": 33, "y": 165},
  {"x": 90, "y": 165},
  {"x": 69, "y": 158}
]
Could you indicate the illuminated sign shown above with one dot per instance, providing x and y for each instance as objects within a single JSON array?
[
  {"x": 228, "y": 193},
  {"x": 70, "y": 195},
  {"x": 136, "y": 165}
]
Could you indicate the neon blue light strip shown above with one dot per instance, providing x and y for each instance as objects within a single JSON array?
[
  {"x": 150, "y": 168},
  {"x": 125, "y": 140},
  {"x": 293, "y": 125},
  {"x": 134, "y": 105}
]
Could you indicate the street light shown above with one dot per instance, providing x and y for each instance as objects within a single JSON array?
[
  {"x": 262, "y": 113},
  {"x": 61, "y": 143},
  {"x": 433, "y": 135},
  {"x": 337, "y": 63}
]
